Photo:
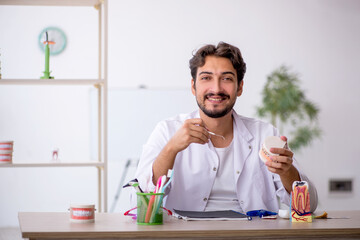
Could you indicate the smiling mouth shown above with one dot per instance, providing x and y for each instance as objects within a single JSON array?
[{"x": 216, "y": 98}]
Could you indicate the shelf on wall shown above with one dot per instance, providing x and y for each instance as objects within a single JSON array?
[
  {"x": 51, "y": 2},
  {"x": 55, "y": 164},
  {"x": 50, "y": 81},
  {"x": 100, "y": 83}
]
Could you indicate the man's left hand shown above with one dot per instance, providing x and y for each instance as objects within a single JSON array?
[{"x": 282, "y": 163}]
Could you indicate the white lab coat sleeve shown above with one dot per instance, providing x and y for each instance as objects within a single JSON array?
[
  {"x": 144, "y": 172},
  {"x": 281, "y": 191},
  {"x": 157, "y": 140}
]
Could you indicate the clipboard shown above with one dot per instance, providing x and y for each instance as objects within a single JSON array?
[{"x": 210, "y": 215}]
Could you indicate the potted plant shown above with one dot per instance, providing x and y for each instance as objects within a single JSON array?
[{"x": 284, "y": 102}]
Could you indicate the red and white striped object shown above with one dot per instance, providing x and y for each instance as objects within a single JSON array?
[
  {"x": 6, "y": 145},
  {"x": 6, "y": 150},
  {"x": 82, "y": 213}
]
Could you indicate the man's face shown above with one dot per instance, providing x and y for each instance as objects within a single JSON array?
[{"x": 216, "y": 87}]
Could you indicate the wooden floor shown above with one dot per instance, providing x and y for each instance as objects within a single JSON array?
[{"x": 10, "y": 234}]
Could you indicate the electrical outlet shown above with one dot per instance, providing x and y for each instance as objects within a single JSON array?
[{"x": 340, "y": 185}]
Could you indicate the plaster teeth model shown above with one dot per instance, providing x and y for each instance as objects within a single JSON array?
[
  {"x": 6, "y": 151},
  {"x": 270, "y": 142},
  {"x": 82, "y": 213}
]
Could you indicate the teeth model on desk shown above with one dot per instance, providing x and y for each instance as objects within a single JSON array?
[
  {"x": 6, "y": 151},
  {"x": 82, "y": 213}
]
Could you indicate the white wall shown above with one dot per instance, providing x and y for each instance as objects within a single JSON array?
[{"x": 150, "y": 43}]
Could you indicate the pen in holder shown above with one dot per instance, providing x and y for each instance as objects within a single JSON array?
[{"x": 146, "y": 203}]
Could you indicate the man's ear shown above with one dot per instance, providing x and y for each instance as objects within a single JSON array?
[
  {"x": 240, "y": 88},
  {"x": 193, "y": 87}
]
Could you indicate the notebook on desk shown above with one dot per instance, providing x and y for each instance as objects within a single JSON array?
[{"x": 210, "y": 215}]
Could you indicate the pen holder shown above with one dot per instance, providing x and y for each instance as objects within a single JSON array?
[{"x": 149, "y": 208}]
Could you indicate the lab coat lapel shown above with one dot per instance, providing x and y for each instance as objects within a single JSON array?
[{"x": 242, "y": 145}]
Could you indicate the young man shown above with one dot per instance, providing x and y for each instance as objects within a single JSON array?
[{"x": 213, "y": 172}]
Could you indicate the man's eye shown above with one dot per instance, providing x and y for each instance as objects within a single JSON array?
[
  {"x": 227, "y": 79},
  {"x": 205, "y": 78}
]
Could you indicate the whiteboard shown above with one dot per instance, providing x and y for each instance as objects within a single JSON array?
[{"x": 134, "y": 113}]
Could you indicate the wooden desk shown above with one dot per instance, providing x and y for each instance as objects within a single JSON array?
[{"x": 117, "y": 226}]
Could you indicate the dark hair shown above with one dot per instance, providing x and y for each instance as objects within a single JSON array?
[{"x": 221, "y": 50}]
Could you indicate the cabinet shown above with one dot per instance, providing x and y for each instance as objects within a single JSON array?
[{"x": 100, "y": 83}]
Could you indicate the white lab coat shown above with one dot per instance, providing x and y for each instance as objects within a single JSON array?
[{"x": 195, "y": 168}]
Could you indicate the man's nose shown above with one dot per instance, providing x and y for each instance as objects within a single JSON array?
[{"x": 216, "y": 86}]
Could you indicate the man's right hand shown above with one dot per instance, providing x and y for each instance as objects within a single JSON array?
[{"x": 192, "y": 131}]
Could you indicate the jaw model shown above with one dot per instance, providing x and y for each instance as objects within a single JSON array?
[{"x": 270, "y": 142}]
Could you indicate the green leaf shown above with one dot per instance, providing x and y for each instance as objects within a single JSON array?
[
  {"x": 311, "y": 110},
  {"x": 303, "y": 136},
  {"x": 284, "y": 101}
]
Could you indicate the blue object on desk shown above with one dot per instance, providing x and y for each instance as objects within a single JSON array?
[{"x": 260, "y": 213}]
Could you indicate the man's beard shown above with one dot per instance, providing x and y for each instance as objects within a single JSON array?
[{"x": 215, "y": 113}]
